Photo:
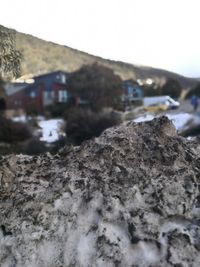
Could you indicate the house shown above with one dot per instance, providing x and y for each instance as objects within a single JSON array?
[
  {"x": 133, "y": 92},
  {"x": 44, "y": 90}
]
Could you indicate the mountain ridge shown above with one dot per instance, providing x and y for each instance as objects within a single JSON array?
[{"x": 40, "y": 57}]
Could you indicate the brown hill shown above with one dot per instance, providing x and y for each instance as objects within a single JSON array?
[{"x": 41, "y": 57}]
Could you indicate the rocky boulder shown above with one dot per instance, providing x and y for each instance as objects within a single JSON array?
[{"x": 128, "y": 198}]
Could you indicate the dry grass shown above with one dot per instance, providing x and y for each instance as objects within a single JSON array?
[{"x": 41, "y": 57}]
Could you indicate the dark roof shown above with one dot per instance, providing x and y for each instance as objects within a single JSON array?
[
  {"x": 130, "y": 81},
  {"x": 51, "y": 73}
]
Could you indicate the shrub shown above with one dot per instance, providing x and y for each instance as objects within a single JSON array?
[
  {"x": 194, "y": 91},
  {"x": 32, "y": 110},
  {"x": 35, "y": 147},
  {"x": 172, "y": 88},
  {"x": 11, "y": 132},
  {"x": 58, "y": 109},
  {"x": 6, "y": 149},
  {"x": 84, "y": 124},
  {"x": 96, "y": 86},
  {"x": 152, "y": 90}
]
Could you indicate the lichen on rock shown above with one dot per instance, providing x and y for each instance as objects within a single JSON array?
[{"x": 128, "y": 198}]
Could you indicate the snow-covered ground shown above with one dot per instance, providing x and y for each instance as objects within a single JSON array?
[
  {"x": 179, "y": 120},
  {"x": 50, "y": 129},
  {"x": 22, "y": 118}
]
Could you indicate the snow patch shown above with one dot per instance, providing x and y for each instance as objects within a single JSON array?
[
  {"x": 50, "y": 129},
  {"x": 21, "y": 118},
  {"x": 179, "y": 120}
]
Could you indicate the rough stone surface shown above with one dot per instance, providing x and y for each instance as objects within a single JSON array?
[{"x": 128, "y": 198}]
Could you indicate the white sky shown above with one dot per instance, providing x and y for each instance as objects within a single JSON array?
[{"x": 158, "y": 33}]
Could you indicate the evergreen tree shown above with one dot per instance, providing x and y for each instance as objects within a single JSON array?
[
  {"x": 172, "y": 88},
  {"x": 10, "y": 57},
  {"x": 97, "y": 85}
]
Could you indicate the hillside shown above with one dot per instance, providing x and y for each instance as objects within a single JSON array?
[{"x": 41, "y": 57}]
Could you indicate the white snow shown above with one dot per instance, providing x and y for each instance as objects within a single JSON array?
[
  {"x": 21, "y": 118},
  {"x": 179, "y": 120},
  {"x": 146, "y": 117},
  {"x": 24, "y": 118},
  {"x": 50, "y": 129}
]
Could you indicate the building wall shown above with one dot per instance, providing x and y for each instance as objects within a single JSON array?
[
  {"x": 30, "y": 97},
  {"x": 132, "y": 90},
  {"x": 61, "y": 94},
  {"x": 49, "y": 79},
  {"x": 52, "y": 83},
  {"x": 16, "y": 100}
]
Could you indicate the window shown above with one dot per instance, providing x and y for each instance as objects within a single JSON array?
[
  {"x": 48, "y": 94},
  {"x": 32, "y": 94},
  {"x": 63, "y": 78},
  {"x": 17, "y": 103},
  {"x": 62, "y": 96},
  {"x": 130, "y": 91}
]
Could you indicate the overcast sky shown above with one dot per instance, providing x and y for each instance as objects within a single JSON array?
[{"x": 158, "y": 33}]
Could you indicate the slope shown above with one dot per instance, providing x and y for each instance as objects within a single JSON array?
[{"x": 41, "y": 57}]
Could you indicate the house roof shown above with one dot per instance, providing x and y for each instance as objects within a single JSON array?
[
  {"x": 50, "y": 73},
  {"x": 131, "y": 81},
  {"x": 12, "y": 88}
]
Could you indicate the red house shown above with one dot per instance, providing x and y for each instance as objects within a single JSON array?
[{"x": 45, "y": 90}]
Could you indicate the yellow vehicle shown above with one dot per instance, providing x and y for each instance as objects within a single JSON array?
[{"x": 156, "y": 108}]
